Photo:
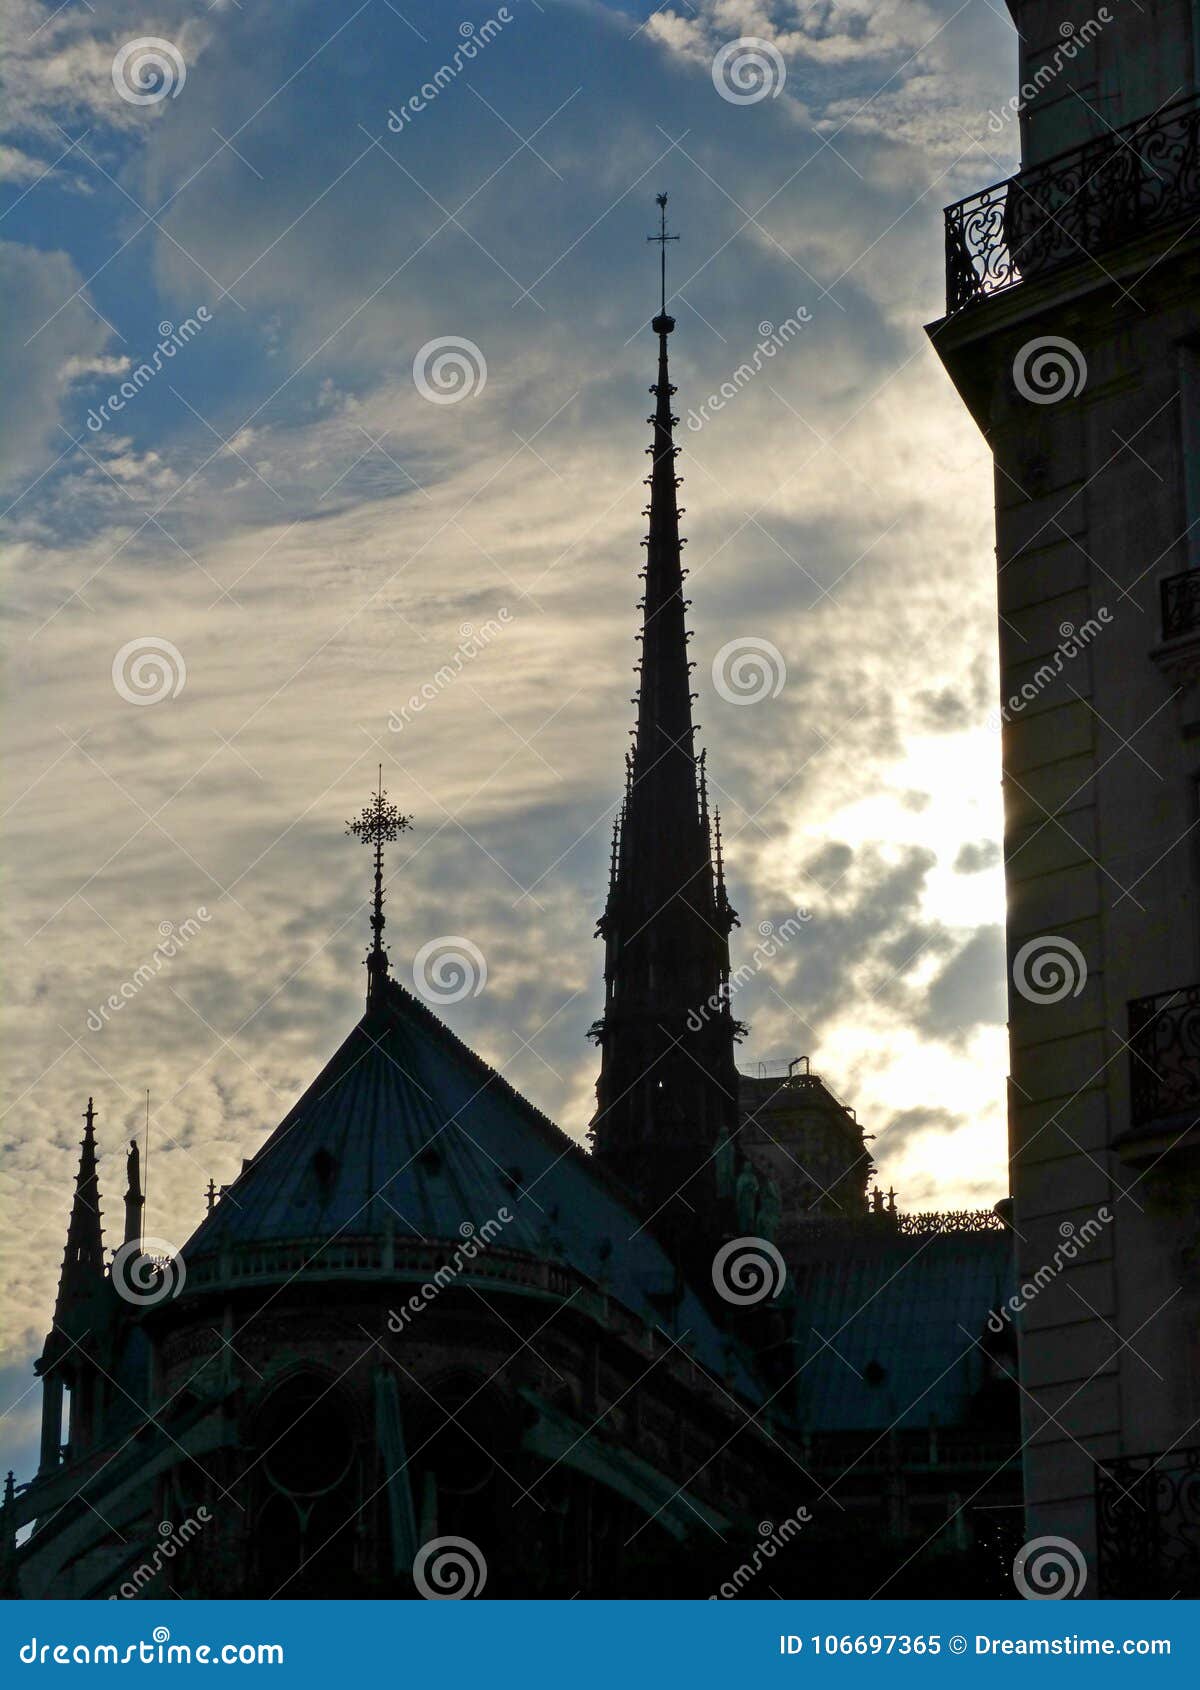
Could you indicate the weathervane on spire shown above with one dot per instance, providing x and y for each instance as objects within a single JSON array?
[
  {"x": 663, "y": 324},
  {"x": 379, "y": 824}
]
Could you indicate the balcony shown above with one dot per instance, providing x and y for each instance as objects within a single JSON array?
[
  {"x": 1121, "y": 185},
  {"x": 1164, "y": 1057},
  {"x": 1148, "y": 1525}
]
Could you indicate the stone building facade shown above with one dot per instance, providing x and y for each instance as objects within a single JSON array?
[{"x": 1072, "y": 335}]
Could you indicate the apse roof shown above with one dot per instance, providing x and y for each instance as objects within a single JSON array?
[
  {"x": 890, "y": 1329},
  {"x": 406, "y": 1132}
]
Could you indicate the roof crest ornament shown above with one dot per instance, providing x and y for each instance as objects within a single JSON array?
[{"x": 380, "y": 823}]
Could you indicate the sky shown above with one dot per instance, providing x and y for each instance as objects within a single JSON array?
[{"x": 373, "y": 494}]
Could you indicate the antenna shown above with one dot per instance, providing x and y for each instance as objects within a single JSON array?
[{"x": 146, "y": 1175}]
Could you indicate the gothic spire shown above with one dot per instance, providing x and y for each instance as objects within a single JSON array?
[
  {"x": 83, "y": 1260},
  {"x": 667, "y": 1083},
  {"x": 663, "y": 774},
  {"x": 379, "y": 824}
]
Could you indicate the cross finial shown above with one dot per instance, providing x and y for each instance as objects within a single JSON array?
[
  {"x": 379, "y": 824},
  {"x": 662, "y": 238}
]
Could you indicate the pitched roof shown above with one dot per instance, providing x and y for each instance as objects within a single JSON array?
[
  {"x": 890, "y": 1329},
  {"x": 408, "y": 1133}
]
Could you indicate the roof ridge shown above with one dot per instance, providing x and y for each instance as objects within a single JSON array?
[
  {"x": 398, "y": 999},
  {"x": 421, "y": 1011},
  {"x": 596, "y": 1169}
]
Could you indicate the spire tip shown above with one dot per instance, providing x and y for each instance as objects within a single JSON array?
[
  {"x": 662, "y": 324},
  {"x": 379, "y": 822}
]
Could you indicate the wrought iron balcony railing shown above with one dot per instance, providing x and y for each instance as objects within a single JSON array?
[
  {"x": 1075, "y": 206},
  {"x": 1181, "y": 604},
  {"x": 1148, "y": 1525},
  {"x": 1164, "y": 1055}
]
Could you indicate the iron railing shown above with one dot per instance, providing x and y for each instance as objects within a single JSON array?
[
  {"x": 793, "y": 1076},
  {"x": 1181, "y": 604},
  {"x": 1075, "y": 206},
  {"x": 891, "y": 1223},
  {"x": 1164, "y": 1055},
  {"x": 1148, "y": 1525}
]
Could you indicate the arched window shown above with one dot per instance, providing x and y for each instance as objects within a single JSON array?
[{"x": 307, "y": 1492}]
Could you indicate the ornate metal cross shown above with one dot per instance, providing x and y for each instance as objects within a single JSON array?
[
  {"x": 662, "y": 238},
  {"x": 379, "y": 824}
]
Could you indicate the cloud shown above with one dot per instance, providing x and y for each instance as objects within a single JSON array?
[
  {"x": 16, "y": 166},
  {"x": 970, "y": 989},
  {"x": 915, "y": 1124},
  {"x": 58, "y": 67},
  {"x": 40, "y": 360},
  {"x": 976, "y": 855},
  {"x": 893, "y": 71},
  {"x": 284, "y": 506}
]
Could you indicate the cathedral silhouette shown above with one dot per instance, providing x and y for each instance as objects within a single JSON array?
[{"x": 426, "y": 1344}]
